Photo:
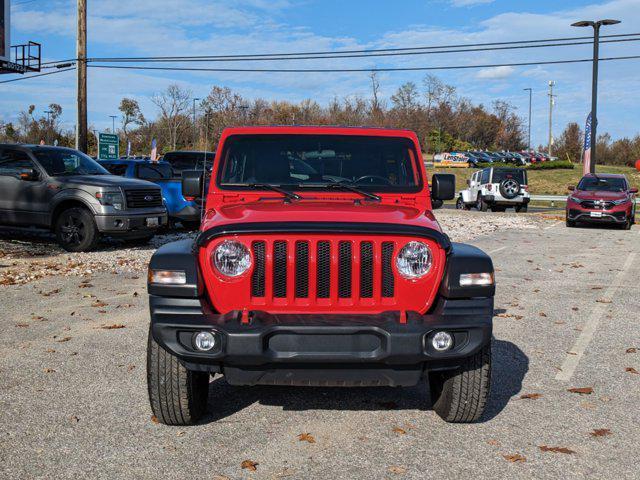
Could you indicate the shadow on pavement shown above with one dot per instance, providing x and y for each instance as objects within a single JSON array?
[{"x": 510, "y": 365}]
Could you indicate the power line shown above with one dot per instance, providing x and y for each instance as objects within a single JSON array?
[
  {"x": 338, "y": 56},
  {"x": 354, "y": 70},
  {"x": 366, "y": 51},
  {"x": 37, "y": 75}
]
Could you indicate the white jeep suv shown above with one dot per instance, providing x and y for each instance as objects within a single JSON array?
[{"x": 496, "y": 189}]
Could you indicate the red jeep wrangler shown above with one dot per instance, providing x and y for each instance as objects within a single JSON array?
[{"x": 319, "y": 262}]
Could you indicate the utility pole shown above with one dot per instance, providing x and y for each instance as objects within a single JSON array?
[
  {"x": 48, "y": 112},
  {"x": 551, "y": 102},
  {"x": 81, "y": 69},
  {"x": 530, "y": 91},
  {"x": 195, "y": 128},
  {"x": 113, "y": 123}
]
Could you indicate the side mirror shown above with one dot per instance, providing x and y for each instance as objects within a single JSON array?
[
  {"x": 571, "y": 188},
  {"x": 29, "y": 174},
  {"x": 468, "y": 182},
  {"x": 443, "y": 186},
  {"x": 192, "y": 183},
  {"x": 633, "y": 190}
]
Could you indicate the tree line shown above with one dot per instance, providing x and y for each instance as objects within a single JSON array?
[{"x": 442, "y": 119}]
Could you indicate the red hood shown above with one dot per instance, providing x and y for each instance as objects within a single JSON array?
[
  {"x": 598, "y": 195},
  {"x": 318, "y": 211}
]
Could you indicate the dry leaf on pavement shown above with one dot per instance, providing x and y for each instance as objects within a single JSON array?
[
  {"x": 399, "y": 431},
  {"x": 601, "y": 432},
  {"x": 249, "y": 465},
  {"x": 581, "y": 390},
  {"x": 515, "y": 458},
  {"x": 113, "y": 326},
  {"x": 397, "y": 469},
  {"x": 631, "y": 370},
  {"x": 306, "y": 437},
  {"x": 530, "y": 396},
  {"x": 565, "y": 450}
]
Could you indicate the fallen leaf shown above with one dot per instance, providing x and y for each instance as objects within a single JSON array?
[
  {"x": 49, "y": 370},
  {"x": 130, "y": 368},
  {"x": 581, "y": 390},
  {"x": 154, "y": 419},
  {"x": 600, "y": 432},
  {"x": 575, "y": 309},
  {"x": 631, "y": 350},
  {"x": 515, "y": 458},
  {"x": 565, "y": 450},
  {"x": 530, "y": 396},
  {"x": 249, "y": 465},
  {"x": 397, "y": 469},
  {"x": 399, "y": 431},
  {"x": 99, "y": 303},
  {"x": 632, "y": 370},
  {"x": 135, "y": 294},
  {"x": 75, "y": 419},
  {"x": 113, "y": 326},
  {"x": 604, "y": 300},
  {"x": 50, "y": 350},
  {"x": 180, "y": 434},
  {"x": 542, "y": 314},
  {"x": 306, "y": 437},
  {"x": 63, "y": 339},
  {"x": 22, "y": 325},
  {"x": 596, "y": 288}
]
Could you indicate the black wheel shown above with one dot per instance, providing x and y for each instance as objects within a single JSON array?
[
  {"x": 76, "y": 230},
  {"x": 460, "y": 396},
  {"x": 509, "y": 188},
  {"x": 522, "y": 208},
  {"x": 570, "y": 223},
  {"x": 482, "y": 205},
  {"x": 627, "y": 224},
  {"x": 460, "y": 204},
  {"x": 177, "y": 396}
]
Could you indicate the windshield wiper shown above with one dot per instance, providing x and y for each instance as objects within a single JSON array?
[
  {"x": 267, "y": 186},
  {"x": 351, "y": 188}
]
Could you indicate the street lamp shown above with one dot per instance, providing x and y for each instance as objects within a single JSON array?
[
  {"x": 113, "y": 123},
  {"x": 594, "y": 82},
  {"x": 195, "y": 128},
  {"x": 530, "y": 91}
]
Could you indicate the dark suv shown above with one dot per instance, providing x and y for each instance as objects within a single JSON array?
[{"x": 66, "y": 191}]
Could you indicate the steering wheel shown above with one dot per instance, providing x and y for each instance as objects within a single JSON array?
[{"x": 371, "y": 180}]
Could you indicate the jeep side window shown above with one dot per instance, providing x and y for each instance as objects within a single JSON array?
[
  {"x": 12, "y": 162},
  {"x": 485, "y": 176}
]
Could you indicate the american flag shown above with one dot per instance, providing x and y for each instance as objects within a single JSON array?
[
  {"x": 586, "y": 156},
  {"x": 154, "y": 150}
]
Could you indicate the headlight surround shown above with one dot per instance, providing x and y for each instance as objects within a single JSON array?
[
  {"x": 113, "y": 199},
  {"x": 231, "y": 258},
  {"x": 574, "y": 199},
  {"x": 414, "y": 260},
  {"x": 620, "y": 202}
]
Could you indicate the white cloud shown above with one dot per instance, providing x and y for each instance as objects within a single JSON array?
[
  {"x": 495, "y": 73},
  {"x": 469, "y": 3}
]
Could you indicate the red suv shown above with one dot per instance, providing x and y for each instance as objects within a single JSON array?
[{"x": 602, "y": 198}]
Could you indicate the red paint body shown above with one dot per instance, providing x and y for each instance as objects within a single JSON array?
[{"x": 242, "y": 206}]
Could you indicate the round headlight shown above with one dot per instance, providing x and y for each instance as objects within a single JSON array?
[
  {"x": 232, "y": 258},
  {"x": 414, "y": 260}
]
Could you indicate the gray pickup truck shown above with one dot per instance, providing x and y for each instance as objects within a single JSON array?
[{"x": 69, "y": 193}]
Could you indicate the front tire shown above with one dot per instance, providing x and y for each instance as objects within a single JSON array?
[
  {"x": 460, "y": 396},
  {"x": 177, "y": 396},
  {"x": 76, "y": 230},
  {"x": 482, "y": 205},
  {"x": 522, "y": 208},
  {"x": 570, "y": 223}
]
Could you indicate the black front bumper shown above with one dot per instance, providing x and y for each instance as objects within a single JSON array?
[{"x": 321, "y": 349}]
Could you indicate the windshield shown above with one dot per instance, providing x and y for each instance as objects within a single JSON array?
[
  {"x": 592, "y": 184},
  {"x": 188, "y": 160},
  {"x": 64, "y": 161},
  {"x": 373, "y": 163},
  {"x": 157, "y": 171},
  {"x": 518, "y": 175}
]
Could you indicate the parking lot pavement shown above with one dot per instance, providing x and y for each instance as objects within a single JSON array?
[{"x": 73, "y": 398}]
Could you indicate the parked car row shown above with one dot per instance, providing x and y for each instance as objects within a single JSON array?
[
  {"x": 81, "y": 200},
  {"x": 478, "y": 157}
]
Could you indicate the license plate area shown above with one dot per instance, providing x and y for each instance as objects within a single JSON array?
[
  {"x": 595, "y": 214},
  {"x": 152, "y": 222},
  {"x": 292, "y": 343}
]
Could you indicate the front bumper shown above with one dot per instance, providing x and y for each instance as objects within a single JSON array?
[
  {"x": 127, "y": 223},
  {"x": 603, "y": 216},
  {"x": 321, "y": 349}
]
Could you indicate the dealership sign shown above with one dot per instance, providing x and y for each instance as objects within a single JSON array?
[{"x": 108, "y": 146}]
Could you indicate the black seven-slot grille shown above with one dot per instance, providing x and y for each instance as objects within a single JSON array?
[
  {"x": 304, "y": 274},
  {"x": 144, "y": 198}
]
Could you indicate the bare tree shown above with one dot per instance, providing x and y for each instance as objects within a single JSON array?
[
  {"x": 173, "y": 104},
  {"x": 131, "y": 115}
]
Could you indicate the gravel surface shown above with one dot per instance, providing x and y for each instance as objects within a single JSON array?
[{"x": 74, "y": 402}]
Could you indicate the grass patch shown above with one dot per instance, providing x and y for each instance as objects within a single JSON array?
[{"x": 546, "y": 182}]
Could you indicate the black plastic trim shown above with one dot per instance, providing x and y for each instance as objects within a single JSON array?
[
  {"x": 465, "y": 258},
  {"x": 177, "y": 256},
  {"x": 336, "y": 228}
]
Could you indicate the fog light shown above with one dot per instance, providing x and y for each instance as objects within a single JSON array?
[
  {"x": 442, "y": 341},
  {"x": 205, "y": 341}
]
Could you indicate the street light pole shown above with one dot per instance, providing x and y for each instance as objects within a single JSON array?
[
  {"x": 594, "y": 81},
  {"x": 530, "y": 91},
  {"x": 113, "y": 123},
  {"x": 195, "y": 128},
  {"x": 551, "y": 102}
]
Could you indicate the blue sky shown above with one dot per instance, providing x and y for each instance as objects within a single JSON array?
[{"x": 199, "y": 27}]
